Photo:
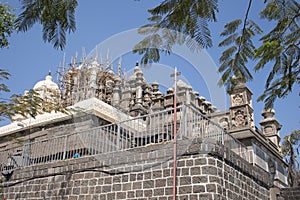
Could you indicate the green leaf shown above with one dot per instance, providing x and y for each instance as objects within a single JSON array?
[
  {"x": 7, "y": 24},
  {"x": 177, "y": 22},
  {"x": 231, "y": 27},
  {"x": 56, "y": 16}
]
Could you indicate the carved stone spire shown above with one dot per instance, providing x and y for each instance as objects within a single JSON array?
[
  {"x": 241, "y": 111},
  {"x": 270, "y": 127}
]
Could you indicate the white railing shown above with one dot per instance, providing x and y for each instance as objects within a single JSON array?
[{"x": 140, "y": 131}]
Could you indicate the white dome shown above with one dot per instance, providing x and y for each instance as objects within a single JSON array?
[{"x": 46, "y": 84}]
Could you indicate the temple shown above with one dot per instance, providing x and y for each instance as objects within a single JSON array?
[{"x": 110, "y": 114}]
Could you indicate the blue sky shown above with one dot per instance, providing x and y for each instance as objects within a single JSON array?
[{"x": 29, "y": 59}]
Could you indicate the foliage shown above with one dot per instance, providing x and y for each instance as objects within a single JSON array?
[
  {"x": 176, "y": 22},
  {"x": 241, "y": 50},
  {"x": 279, "y": 49},
  {"x": 290, "y": 150},
  {"x": 4, "y": 75},
  {"x": 31, "y": 104},
  {"x": 56, "y": 16},
  {"x": 7, "y": 24}
]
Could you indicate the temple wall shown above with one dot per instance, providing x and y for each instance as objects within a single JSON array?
[{"x": 206, "y": 170}]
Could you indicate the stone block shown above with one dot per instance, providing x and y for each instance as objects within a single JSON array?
[
  {"x": 200, "y": 161},
  {"x": 130, "y": 194},
  {"x": 137, "y": 185},
  {"x": 185, "y": 189},
  {"x": 168, "y": 191},
  {"x": 148, "y": 193},
  {"x": 160, "y": 183},
  {"x": 189, "y": 163},
  {"x": 98, "y": 189},
  {"x": 84, "y": 183},
  {"x": 106, "y": 188},
  {"x": 111, "y": 195},
  {"x": 108, "y": 180},
  {"x": 116, "y": 187},
  {"x": 156, "y": 174},
  {"x": 162, "y": 198},
  {"x": 195, "y": 170},
  {"x": 140, "y": 176},
  {"x": 139, "y": 193},
  {"x": 166, "y": 173},
  {"x": 183, "y": 197},
  {"x": 73, "y": 197},
  {"x": 88, "y": 175},
  {"x": 92, "y": 182},
  {"x": 76, "y": 191},
  {"x": 210, "y": 170},
  {"x": 159, "y": 192},
  {"x": 205, "y": 196},
  {"x": 185, "y": 180},
  {"x": 181, "y": 163},
  {"x": 91, "y": 190},
  {"x": 84, "y": 190},
  {"x": 132, "y": 177},
  {"x": 117, "y": 179},
  {"x": 121, "y": 195},
  {"x": 199, "y": 179},
  {"x": 148, "y": 184},
  {"x": 211, "y": 188},
  {"x": 78, "y": 176},
  {"x": 170, "y": 181},
  {"x": 126, "y": 186},
  {"x": 198, "y": 188},
  {"x": 214, "y": 179},
  {"x": 193, "y": 197},
  {"x": 125, "y": 178},
  {"x": 184, "y": 171}
]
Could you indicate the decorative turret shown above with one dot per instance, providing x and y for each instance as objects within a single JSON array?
[
  {"x": 241, "y": 111},
  {"x": 270, "y": 127}
]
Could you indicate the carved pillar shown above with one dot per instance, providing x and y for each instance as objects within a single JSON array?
[
  {"x": 126, "y": 97},
  {"x": 169, "y": 98},
  {"x": 147, "y": 97},
  {"x": 139, "y": 90},
  {"x": 116, "y": 92},
  {"x": 109, "y": 90},
  {"x": 92, "y": 80},
  {"x": 157, "y": 98}
]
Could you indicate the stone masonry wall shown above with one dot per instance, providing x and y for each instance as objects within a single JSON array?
[{"x": 205, "y": 171}]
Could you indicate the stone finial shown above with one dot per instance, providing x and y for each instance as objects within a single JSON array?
[
  {"x": 213, "y": 108},
  {"x": 270, "y": 127},
  {"x": 170, "y": 91},
  {"x": 181, "y": 85},
  {"x": 202, "y": 98},
  {"x": 136, "y": 68},
  {"x": 196, "y": 93},
  {"x": 155, "y": 86},
  {"x": 269, "y": 113}
]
